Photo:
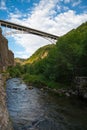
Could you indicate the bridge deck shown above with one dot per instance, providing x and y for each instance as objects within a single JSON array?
[{"x": 27, "y": 29}]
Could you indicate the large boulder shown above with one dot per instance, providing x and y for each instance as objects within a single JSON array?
[{"x": 81, "y": 86}]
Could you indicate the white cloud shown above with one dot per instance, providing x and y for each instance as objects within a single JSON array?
[
  {"x": 76, "y": 3},
  {"x": 73, "y": 2},
  {"x": 22, "y": 54},
  {"x": 44, "y": 17},
  {"x": 67, "y": 1},
  {"x": 30, "y": 42},
  {"x": 2, "y": 5}
]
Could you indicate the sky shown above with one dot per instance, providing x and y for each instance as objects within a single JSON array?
[{"x": 52, "y": 16}]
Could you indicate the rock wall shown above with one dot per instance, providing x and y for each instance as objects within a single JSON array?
[
  {"x": 6, "y": 59},
  {"x": 6, "y": 56},
  {"x": 81, "y": 86},
  {"x": 5, "y": 123},
  {"x": 11, "y": 58}
]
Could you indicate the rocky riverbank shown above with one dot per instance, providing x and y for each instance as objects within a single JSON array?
[
  {"x": 78, "y": 89},
  {"x": 5, "y": 123}
]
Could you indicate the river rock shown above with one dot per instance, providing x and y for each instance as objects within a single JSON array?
[
  {"x": 74, "y": 93},
  {"x": 81, "y": 86},
  {"x": 85, "y": 96},
  {"x": 41, "y": 89},
  {"x": 67, "y": 94},
  {"x": 30, "y": 87}
]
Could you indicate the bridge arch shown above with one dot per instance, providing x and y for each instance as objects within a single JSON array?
[{"x": 22, "y": 28}]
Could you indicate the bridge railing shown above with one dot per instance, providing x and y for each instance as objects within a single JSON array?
[{"x": 27, "y": 29}]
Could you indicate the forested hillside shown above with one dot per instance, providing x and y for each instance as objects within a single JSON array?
[
  {"x": 41, "y": 53},
  {"x": 19, "y": 60},
  {"x": 59, "y": 63}
]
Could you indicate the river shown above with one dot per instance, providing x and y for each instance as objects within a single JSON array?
[{"x": 34, "y": 109}]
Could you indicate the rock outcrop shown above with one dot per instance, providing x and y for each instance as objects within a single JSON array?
[
  {"x": 5, "y": 123},
  {"x": 6, "y": 56},
  {"x": 11, "y": 58},
  {"x": 81, "y": 86}
]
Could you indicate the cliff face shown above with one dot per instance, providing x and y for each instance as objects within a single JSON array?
[
  {"x": 6, "y": 59},
  {"x": 6, "y": 56},
  {"x": 5, "y": 123},
  {"x": 11, "y": 58}
]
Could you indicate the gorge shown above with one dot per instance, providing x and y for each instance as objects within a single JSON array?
[{"x": 54, "y": 67}]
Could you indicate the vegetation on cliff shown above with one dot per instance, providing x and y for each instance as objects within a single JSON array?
[
  {"x": 19, "y": 60},
  {"x": 6, "y": 55},
  {"x": 41, "y": 53},
  {"x": 59, "y": 63}
]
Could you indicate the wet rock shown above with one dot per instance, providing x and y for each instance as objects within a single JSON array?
[
  {"x": 85, "y": 96},
  {"x": 81, "y": 86},
  {"x": 30, "y": 87},
  {"x": 41, "y": 89},
  {"x": 67, "y": 94},
  {"x": 74, "y": 93}
]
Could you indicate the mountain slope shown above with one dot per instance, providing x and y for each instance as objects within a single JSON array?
[
  {"x": 65, "y": 60},
  {"x": 60, "y": 62},
  {"x": 19, "y": 61},
  {"x": 41, "y": 53}
]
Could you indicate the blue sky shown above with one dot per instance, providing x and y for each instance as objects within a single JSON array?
[{"x": 52, "y": 16}]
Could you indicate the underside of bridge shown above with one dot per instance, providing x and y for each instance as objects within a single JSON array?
[{"x": 27, "y": 30}]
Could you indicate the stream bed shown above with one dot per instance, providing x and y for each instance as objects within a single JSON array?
[{"x": 34, "y": 109}]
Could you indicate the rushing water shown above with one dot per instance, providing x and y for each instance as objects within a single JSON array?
[{"x": 33, "y": 109}]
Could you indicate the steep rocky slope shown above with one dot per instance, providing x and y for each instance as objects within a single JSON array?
[
  {"x": 6, "y": 59},
  {"x": 5, "y": 123},
  {"x": 6, "y": 56}
]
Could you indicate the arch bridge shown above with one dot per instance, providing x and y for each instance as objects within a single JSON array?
[{"x": 22, "y": 28}]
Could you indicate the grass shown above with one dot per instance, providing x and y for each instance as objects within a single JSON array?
[
  {"x": 40, "y": 81},
  {"x": 37, "y": 80}
]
